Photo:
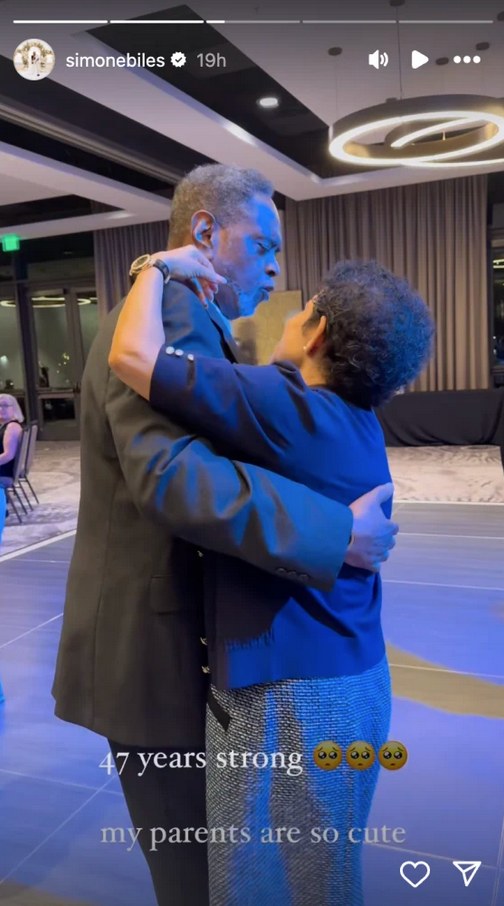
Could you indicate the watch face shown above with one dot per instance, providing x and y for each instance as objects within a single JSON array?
[{"x": 139, "y": 264}]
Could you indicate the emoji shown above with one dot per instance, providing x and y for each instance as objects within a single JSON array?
[
  {"x": 327, "y": 755},
  {"x": 360, "y": 755},
  {"x": 393, "y": 755}
]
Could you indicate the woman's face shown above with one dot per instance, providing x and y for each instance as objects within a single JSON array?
[
  {"x": 5, "y": 410},
  {"x": 290, "y": 346}
]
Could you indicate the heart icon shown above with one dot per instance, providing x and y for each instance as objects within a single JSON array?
[{"x": 413, "y": 870}]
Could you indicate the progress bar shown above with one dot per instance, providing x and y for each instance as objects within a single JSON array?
[
  {"x": 60, "y": 21},
  {"x": 348, "y": 21},
  {"x": 252, "y": 22},
  {"x": 156, "y": 21},
  {"x": 446, "y": 21},
  {"x": 262, "y": 22}
]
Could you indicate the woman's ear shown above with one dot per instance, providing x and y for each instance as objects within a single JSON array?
[
  {"x": 318, "y": 337},
  {"x": 203, "y": 227}
]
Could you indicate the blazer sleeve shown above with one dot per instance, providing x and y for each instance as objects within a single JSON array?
[
  {"x": 233, "y": 508},
  {"x": 259, "y": 411}
]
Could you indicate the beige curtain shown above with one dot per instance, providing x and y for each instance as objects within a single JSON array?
[
  {"x": 114, "y": 250},
  {"x": 435, "y": 234}
]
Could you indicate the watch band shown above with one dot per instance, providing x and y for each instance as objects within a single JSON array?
[{"x": 163, "y": 267}]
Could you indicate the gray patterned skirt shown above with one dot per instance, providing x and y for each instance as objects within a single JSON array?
[{"x": 279, "y": 824}]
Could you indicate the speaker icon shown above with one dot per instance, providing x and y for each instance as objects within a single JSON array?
[{"x": 378, "y": 59}]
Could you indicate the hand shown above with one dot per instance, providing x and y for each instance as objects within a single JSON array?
[
  {"x": 373, "y": 533},
  {"x": 190, "y": 265}
]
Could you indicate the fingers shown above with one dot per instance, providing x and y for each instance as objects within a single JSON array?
[
  {"x": 205, "y": 267},
  {"x": 190, "y": 263},
  {"x": 384, "y": 492},
  {"x": 198, "y": 289}
]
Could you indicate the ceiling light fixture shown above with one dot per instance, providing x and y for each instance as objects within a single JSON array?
[
  {"x": 49, "y": 302},
  {"x": 268, "y": 103},
  {"x": 411, "y": 126}
]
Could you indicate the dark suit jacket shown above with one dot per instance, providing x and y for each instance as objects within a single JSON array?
[{"x": 130, "y": 658}]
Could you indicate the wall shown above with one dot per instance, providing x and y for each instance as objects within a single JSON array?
[{"x": 259, "y": 335}]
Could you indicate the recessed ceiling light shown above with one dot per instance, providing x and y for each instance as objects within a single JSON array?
[{"x": 268, "y": 102}]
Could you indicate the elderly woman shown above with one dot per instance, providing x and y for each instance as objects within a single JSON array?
[
  {"x": 303, "y": 674},
  {"x": 11, "y": 431}
]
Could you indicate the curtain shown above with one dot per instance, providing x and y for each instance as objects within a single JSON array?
[
  {"x": 114, "y": 250},
  {"x": 435, "y": 235}
]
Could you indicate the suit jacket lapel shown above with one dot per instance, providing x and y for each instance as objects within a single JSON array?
[{"x": 228, "y": 341}]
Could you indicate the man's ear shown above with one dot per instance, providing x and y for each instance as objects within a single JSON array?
[
  {"x": 318, "y": 336},
  {"x": 203, "y": 229}
]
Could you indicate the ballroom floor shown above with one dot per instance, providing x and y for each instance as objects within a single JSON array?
[{"x": 443, "y": 617}]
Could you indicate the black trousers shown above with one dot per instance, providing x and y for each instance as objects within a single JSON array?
[{"x": 169, "y": 798}]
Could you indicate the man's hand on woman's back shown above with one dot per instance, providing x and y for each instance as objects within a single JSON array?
[{"x": 372, "y": 534}]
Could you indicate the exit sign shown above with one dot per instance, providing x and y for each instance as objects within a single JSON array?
[{"x": 11, "y": 243}]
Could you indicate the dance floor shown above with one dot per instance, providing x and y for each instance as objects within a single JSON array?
[{"x": 443, "y": 617}]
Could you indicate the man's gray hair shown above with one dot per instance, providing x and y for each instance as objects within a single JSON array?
[{"x": 222, "y": 190}]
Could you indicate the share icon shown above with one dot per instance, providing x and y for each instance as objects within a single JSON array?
[{"x": 467, "y": 870}]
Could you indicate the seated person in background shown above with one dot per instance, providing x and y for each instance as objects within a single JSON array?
[
  {"x": 11, "y": 432},
  {"x": 292, "y": 666},
  {"x": 10, "y": 438}
]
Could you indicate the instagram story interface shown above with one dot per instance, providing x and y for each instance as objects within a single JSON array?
[{"x": 246, "y": 706}]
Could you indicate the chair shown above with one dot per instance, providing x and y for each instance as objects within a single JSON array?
[
  {"x": 9, "y": 482},
  {"x": 32, "y": 429}
]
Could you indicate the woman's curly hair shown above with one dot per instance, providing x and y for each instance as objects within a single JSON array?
[{"x": 379, "y": 332}]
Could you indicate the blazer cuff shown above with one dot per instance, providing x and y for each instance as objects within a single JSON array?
[{"x": 170, "y": 376}]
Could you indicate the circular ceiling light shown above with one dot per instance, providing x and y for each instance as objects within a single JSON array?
[
  {"x": 416, "y": 133},
  {"x": 268, "y": 103}
]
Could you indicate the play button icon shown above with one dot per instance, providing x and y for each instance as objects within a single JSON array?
[{"x": 418, "y": 59}]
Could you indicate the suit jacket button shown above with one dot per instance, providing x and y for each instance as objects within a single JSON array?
[
  {"x": 292, "y": 574},
  {"x": 281, "y": 571},
  {"x": 203, "y": 641},
  {"x": 170, "y": 350},
  {"x": 304, "y": 577},
  {"x": 206, "y": 669},
  {"x": 190, "y": 357},
  {"x": 199, "y": 553},
  {"x": 179, "y": 352}
]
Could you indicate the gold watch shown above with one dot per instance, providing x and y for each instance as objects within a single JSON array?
[{"x": 145, "y": 261}]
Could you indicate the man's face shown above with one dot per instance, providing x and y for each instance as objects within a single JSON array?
[{"x": 245, "y": 253}]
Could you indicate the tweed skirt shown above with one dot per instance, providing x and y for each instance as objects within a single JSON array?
[{"x": 278, "y": 823}]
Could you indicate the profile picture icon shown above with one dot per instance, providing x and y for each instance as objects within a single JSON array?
[{"x": 34, "y": 59}]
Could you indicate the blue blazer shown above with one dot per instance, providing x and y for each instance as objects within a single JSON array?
[{"x": 261, "y": 628}]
